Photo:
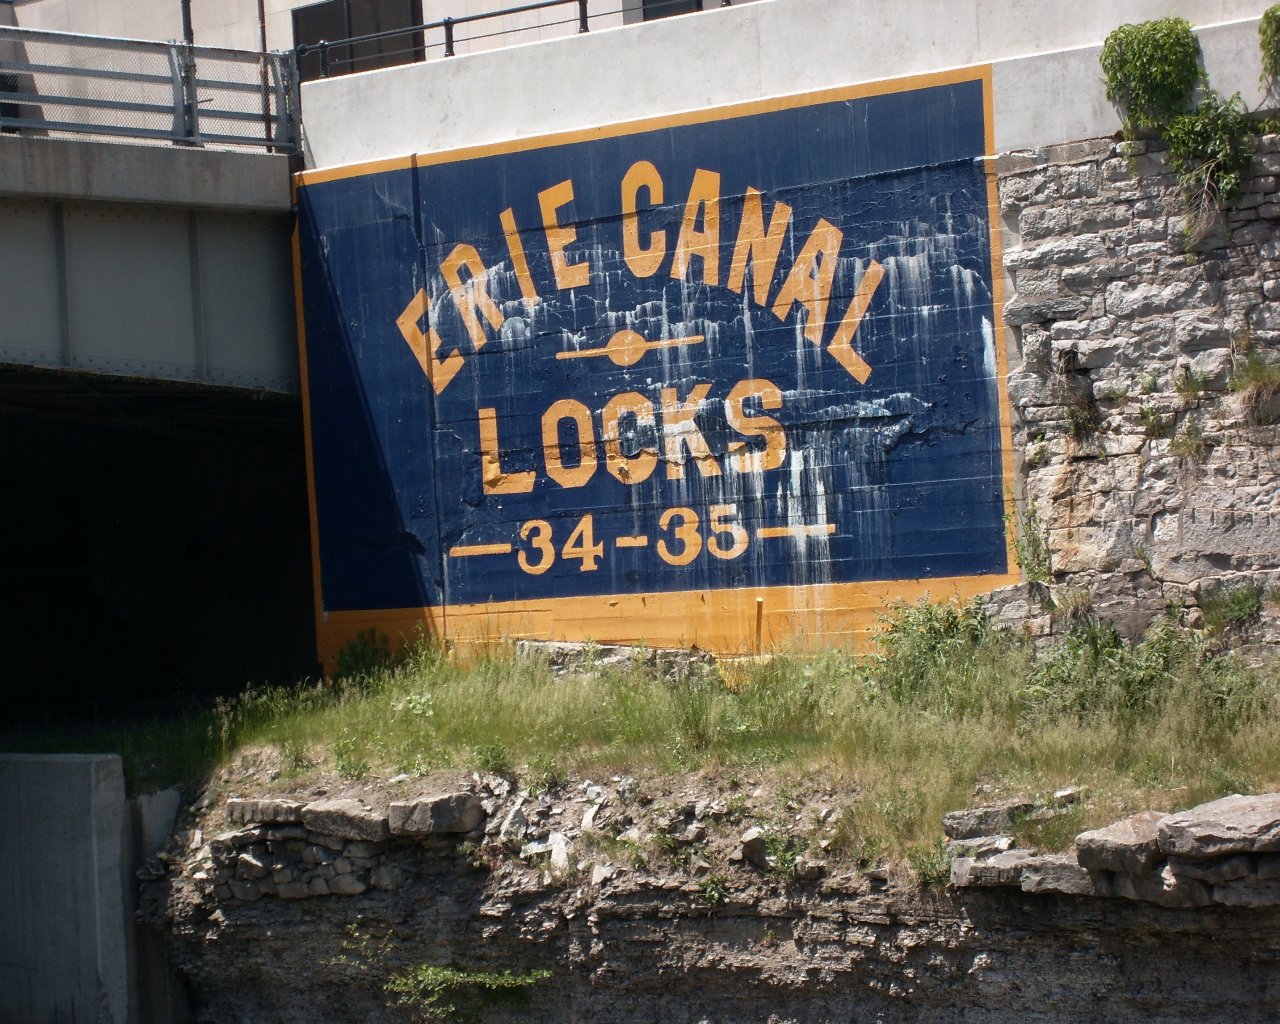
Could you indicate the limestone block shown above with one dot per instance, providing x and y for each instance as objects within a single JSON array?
[
  {"x": 1130, "y": 846},
  {"x": 1163, "y": 887},
  {"x": 1057, "y": 872},
  {"x": 1233, "y": 824},
  {"x": 345, "y": 819},
  {"x": 1041, "y": 309},
  {"x": 256, "y": 812},
  {"x": 1248, "y": 893},
  {"x": 992, "y": 820},
  {"x": 1002, "y": 869},
  {"x": 1268, "y": 866},
  {"x": 348, "y": 885},
  {"x": 448, "y": 813},
  {"x": 1215, "y": 872},
  {"x": 1126, "y": 299}
]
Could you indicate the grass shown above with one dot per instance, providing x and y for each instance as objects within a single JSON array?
[
  {"x": 1257, "y": 381},
  {"x": 946, "y": 704}
]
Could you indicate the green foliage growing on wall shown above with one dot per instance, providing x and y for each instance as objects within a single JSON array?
[
  {"x": 1151, "y": 70},
  {"x": 1269, "y": 40},
  {"x": 1209, "y": 151}
]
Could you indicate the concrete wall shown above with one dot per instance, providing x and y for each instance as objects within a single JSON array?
[
  {"x": 63, "y": 909},
  {"x": 1047, "y": 83}
]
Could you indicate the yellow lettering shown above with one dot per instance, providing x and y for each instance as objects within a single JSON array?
[
  {"x": 809, "y": 283},
  {"x": 775, "y": 438},
  {"x": 704, "y": 204},
  {"x": 680, "y": 433},
  {"x": 638, "y": 467},
  {"x": 842, "y": 344},
  {"x": 426, "y": 347},
  {"x": 567, "y": 275},
  {"x": 493, "y": 478},
  {"x": 518, "y": 261},
  {"x": 758, "y": 246},
  {"x": 643, "y": 261},
  {"x": 580, "y": 416},
  {"x": 471, "y": 296}
]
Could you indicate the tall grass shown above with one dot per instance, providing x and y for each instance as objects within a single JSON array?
[{"x": 949, "y": 706}]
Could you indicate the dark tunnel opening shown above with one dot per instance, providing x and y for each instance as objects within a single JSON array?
[{"x": 156, "y": 544}]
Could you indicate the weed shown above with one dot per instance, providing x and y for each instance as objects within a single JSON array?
[
  {"x": 1257, "y": 381},
  {"x": 1031, "y": 545},
  {"x": 363, "y": 655},
  {"x": 544, "y": 773},
  {"x": 931, "y": 864},
  {"x": 493, "y": 758},
  {"x": 1143, "y": 555},
  {"x": 782, "y": 852},
  {"x": 1073, "y": 604},
  {"x": 1153, "y": 422},
  {"x": 446, "y": 993},
  {"x": 296, "y": 757},
  {"x": 1228, "y": 607},
  {"x": 1036, "y": 454},
  {"x": 1189, "y": 443},
  {"x": 1150, "y": 382},
  {"x": 715, "y": 889},
  {"x": 1191, "y": 384},
  {"x": 346, "y": 761}
]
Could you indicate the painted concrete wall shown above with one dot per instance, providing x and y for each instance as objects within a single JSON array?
[{"x": 1048, "y": 86}]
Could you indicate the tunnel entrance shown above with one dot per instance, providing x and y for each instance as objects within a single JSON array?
[{"x": 156, "y": 540}]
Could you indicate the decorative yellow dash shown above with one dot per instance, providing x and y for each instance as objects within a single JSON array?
[
  {"x": 815, "y": 530},
  {"x": 632, "y": 542},
  {"x": 626, "y": 348},
  {"x": 467, "y": 550}
]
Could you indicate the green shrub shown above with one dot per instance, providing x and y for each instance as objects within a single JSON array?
[
  {"x": 1151, "y": 70},
  {"x": 1269, "y": 43}
]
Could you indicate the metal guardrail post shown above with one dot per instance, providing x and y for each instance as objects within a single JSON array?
[
  {"x": 448, "y": 37},
  {"x": 582, "y": 17},
  {"x": 186, "y": 128},
  {"x": 324, "y": 58}
]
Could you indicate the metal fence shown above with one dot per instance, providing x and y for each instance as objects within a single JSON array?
[
  {"x": 404, "y": 45},
  {"x": 61, "y": 83}
]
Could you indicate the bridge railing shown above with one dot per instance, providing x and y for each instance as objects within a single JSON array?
[
  {"x": 66, "y": 84},
  {"x": 330, "y": 58}
]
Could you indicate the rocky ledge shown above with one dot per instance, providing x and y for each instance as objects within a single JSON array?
[{"x": 1226, "y": 852}]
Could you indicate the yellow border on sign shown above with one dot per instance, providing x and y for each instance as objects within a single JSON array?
[{"x": 745, "y": 620}]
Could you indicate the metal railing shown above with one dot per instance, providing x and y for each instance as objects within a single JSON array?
[
  {"x": 62, "y": 83},
  {"x": 345, "y": 56}
]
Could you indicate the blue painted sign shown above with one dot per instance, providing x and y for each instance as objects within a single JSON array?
[{"x": 737, "y": 350}]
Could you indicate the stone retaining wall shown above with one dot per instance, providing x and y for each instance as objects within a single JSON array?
[{"x": 1153, "y": 479}]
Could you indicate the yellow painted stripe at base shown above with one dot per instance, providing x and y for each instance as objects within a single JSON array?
[
  {"x": 468, "y": 550},
  {"x": 721, "y": 621},
  {"x": 816, "y": 530}
]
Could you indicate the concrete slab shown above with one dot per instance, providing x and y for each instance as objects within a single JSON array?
[
  {"x": 165, "y": 175},
  {"x": 63, "y": 927}
]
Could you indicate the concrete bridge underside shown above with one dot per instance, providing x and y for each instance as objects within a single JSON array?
[{"x": 150, "y": 427}]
